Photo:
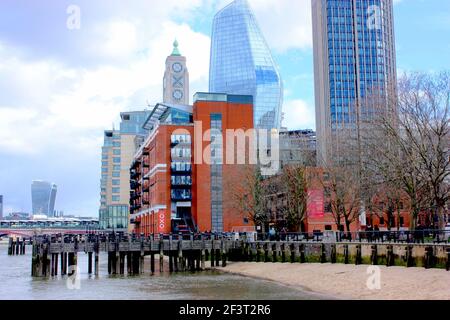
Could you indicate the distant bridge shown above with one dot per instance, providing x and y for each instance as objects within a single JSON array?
[{"x": 28, "y": 233}]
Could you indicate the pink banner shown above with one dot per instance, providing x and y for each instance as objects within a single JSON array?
[{"x": 315, "y": 204}]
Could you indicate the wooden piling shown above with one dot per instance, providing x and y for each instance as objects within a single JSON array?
[
  {"x": 89, "y": 262},
  {"x": 96, "y": 250},
  {"x": 129, "y": 266},
  {"x": 63, "y": 263},
  {"x": 152, "y": 263},
  {"x": 161, "y": 253},
  {"x": 203, "y": 259},
  {"x": 10, "y": 247},
  {"x": 374, "y": 254},
  {"x": 212, "y": 257},
  {"x": 142, "y": 255},
  {"x": 333, "y": 254}
]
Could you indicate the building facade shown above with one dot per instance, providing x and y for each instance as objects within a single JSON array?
[
  {"x": 172, "y": 188},
  {"x": 176, "y": 78},
  {"x": 117, "y": 154},
  {"x": 354, "y": 61},
  {"x": 298, "y": 147},
  {"x": 43, "y": 197},
  {"x": 242, "y": 64}
]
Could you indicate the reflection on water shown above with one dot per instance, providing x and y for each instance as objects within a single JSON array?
[{"x": 16, "y": 283}]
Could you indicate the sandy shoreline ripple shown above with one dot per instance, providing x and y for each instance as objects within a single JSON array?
[{"x": 350, "y": 281}]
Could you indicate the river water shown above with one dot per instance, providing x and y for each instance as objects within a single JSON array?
[{"x": 16, "y": 283}]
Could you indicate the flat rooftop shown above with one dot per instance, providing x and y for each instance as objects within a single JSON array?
[{"x": 223, "y": 97}]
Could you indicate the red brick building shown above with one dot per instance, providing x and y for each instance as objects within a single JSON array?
[{"x": 177, "y": 173}]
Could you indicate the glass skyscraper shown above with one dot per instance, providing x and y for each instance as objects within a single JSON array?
[
  {"x": 43, "y": 197},
  {"x": 242, "y": 64},
  {"x": 354, "y": 59}
]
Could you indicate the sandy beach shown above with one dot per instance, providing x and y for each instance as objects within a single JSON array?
[{"x": 350, "y": 281}]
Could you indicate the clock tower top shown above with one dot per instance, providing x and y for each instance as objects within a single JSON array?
[{"x": 176, "y": 78}]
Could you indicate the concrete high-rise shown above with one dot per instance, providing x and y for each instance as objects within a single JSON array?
[
  {"x": 354, "y": 61},
  {"x": 242, "y": 64},
  {"x": 43, "y": 197},
  {"x": 117, "y": 154}
]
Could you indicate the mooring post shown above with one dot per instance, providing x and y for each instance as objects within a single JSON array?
[
  {"x": 429, "y": 257},
  {"x": 180, "y": 252},
  {"x": 224, "y": 253},
  {"x": 374, "y": 254},
  {"x": 116, "y": 255},
  {"x": 35, "y": 260},
  {"x": 333, "y": 254},
  {"x": 212, "y": 257},
  {"x": 64, "y": 263},
  {"x": 202, "y": 252},
  {"x": 275, "y": 252},
  {"x": 323, "y": 253},
  {"x": 71, "y": 263},
  {"x": 161, "y": 253},
  {"x": 46, "y": 260},
  {"x": 408, "y": 256},
  {"x": 346, "y": 253},
  {"x": 175, "y": 256},
  {"x": 10, "y": 247},
  {"x": 170, "y": 254},
  {"x": 142, "y": 255},
  {"x": 152, "y": 263},
  {"x": 96, "y": 249},
  {"x": 358, "y": 258},
  {"x": 90, "y": 262},
  {"x": 389, "y": 256}
]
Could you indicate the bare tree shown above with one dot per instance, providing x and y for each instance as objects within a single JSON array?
[
  {"x": 294, "y": 185},
  {"x": 407, "y": 142}
]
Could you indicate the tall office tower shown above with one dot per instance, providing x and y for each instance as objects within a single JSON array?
[
  {"x": 242, "y": 64},
  {"x": 43, "y": 197},
  {"x": 354, "y": 59},
  {"x": 1, "y": 207},
  {"x": 176, "y": 78},
  {"x": 117, "y": 154}
]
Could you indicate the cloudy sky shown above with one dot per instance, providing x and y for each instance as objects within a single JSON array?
[{"x": 60, "y": 88}]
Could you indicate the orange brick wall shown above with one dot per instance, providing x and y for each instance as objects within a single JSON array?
[{"x": 234, "y": 116}]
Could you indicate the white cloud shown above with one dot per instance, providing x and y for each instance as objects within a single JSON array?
[{"x": 297, "y": 114}]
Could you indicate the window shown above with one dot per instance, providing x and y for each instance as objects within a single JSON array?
[
  {"x": 328, "y": 228},
  {"x": 116, "y": 152},
  {"x": 104, "y": 170},
  {"x": 116, "y": 174},
  {"x": 115, "y": 190},
  {"x": 381, "y": 220},
  {"x": 115, "y": 198},
  {"x": 116, "y": 168},
  {"x": 116, "y": 182},
  {"x": 402, "y": 221},
  {"x": 116, "y": 144},
  {"x": 116, "y": 160}
]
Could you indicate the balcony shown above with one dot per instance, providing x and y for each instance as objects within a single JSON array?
[{"x": 181, "y": 194}]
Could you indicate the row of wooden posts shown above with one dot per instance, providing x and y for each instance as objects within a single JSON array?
[
  {"x": 16, "y": 246},
  {"x": 191, "y": 255}
]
